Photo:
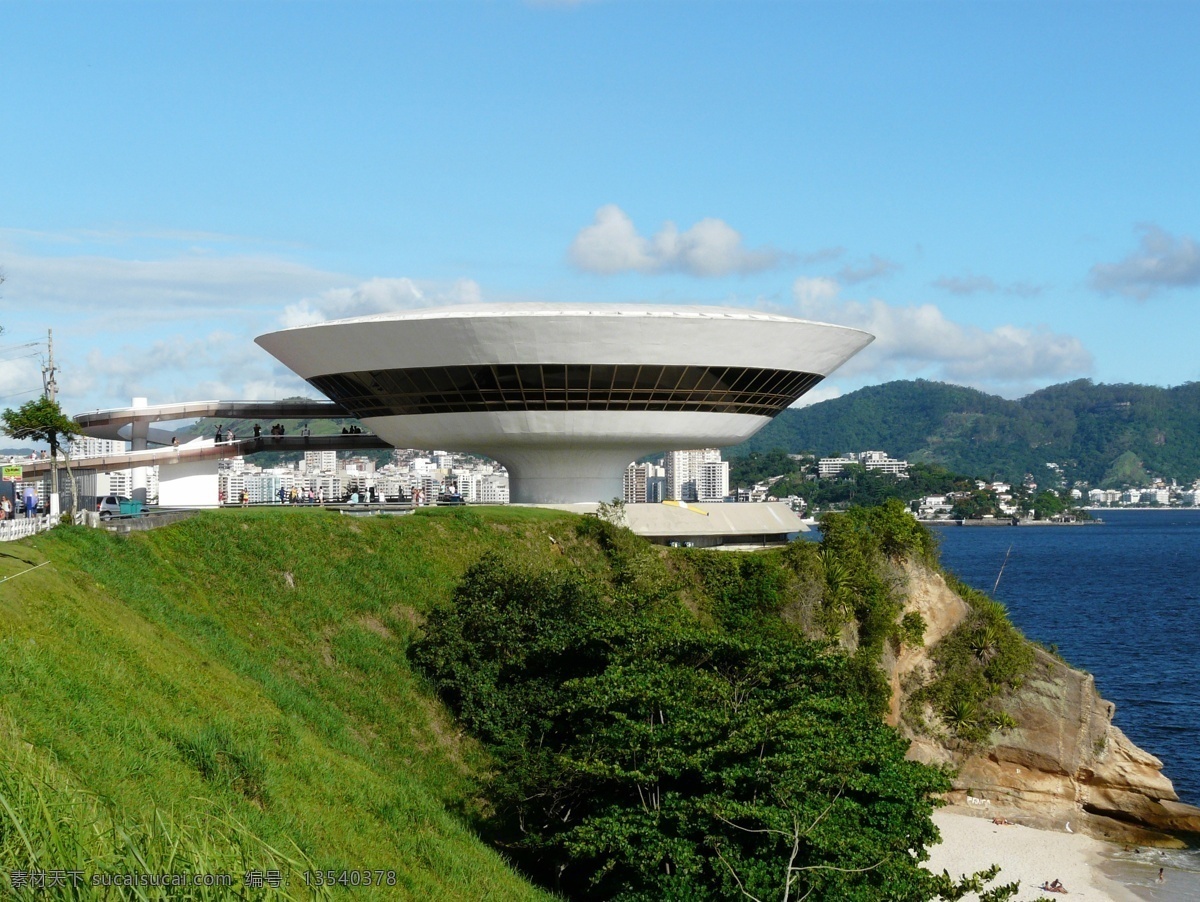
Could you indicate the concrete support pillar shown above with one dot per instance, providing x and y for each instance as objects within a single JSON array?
[{"x": 140, "y": 430}]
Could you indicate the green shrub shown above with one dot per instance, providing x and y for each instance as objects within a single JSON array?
[
  {"x": 912, "y": 629},
  {"x": 983, "y": 660},
  {"x": 647, "y": 758}
]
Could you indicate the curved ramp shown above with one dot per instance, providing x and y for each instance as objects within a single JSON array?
[
  {"x": 118, "y": 423},
  {"x": 206, "y": 449}
]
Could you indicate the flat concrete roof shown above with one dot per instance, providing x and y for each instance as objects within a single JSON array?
[{"x": 691, "y": 519}]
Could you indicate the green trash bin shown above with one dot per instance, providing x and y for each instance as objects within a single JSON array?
[{"x": 130, "y": 508}]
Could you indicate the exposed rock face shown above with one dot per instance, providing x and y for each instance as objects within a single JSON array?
[{"x": 1064, "y": 761}]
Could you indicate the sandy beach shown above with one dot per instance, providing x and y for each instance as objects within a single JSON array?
[
  {"x": 971, "y": 844},
  {"x": 1088, "y": 868}
]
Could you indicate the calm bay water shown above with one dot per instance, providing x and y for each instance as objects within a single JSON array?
[{"x": 1121, "y": 600}]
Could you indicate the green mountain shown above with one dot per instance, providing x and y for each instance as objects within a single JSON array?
[{"x": 1098, "y": 434}]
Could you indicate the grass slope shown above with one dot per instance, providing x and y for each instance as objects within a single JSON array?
[{"x": 234, "y": 688}]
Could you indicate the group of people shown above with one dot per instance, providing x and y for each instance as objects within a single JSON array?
[
  {"x": 296, "y": 496},
  {"x": 29, "y": 505},
  {"x": 220, "y": 433}
]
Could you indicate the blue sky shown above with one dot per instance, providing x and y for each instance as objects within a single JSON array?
[{"x": 1006, "y": 194}]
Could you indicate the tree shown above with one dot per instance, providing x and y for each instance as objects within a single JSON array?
[
  {"x": 649, "y": 757},
  {"x": 43, "y": 420}
]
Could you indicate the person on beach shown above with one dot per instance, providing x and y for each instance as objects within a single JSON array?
[
  {"x": 1055, "y": 887},
  {"x": 1161, "y": 877}
]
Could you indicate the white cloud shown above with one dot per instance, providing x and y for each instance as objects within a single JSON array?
[
  {"x": 379, "y": 296},
  {"x": 178, "y": 322},
  {"x": 821, "y": 255},
  {"x": 969, "y": 284},
  {"x": 919, "y": 340},
  {"x": 975, "y": 284},
  {"x": 815, "y": 291},
  {"x": 215, "y": 365},
  {"x": 20, "y": 380},
  {"x": 1161, "y": 261},
  {"x": 611, "y": 244},
  {"x": 874, "y": 268},
  {"x": 82, "y": 283},
  {"x": 823, "y": 391}
]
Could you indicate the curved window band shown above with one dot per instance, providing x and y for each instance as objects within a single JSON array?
[{"x": 490, "y": 388}]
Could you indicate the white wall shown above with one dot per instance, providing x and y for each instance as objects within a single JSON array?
[{"x": 192, "y": 484}]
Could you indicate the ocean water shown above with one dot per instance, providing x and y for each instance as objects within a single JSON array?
[{"x": 1122, "y": 601}]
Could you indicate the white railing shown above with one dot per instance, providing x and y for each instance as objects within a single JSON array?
[{"x": 23, "y": 526}]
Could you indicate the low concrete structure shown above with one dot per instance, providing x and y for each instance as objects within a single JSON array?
[
  {"x": 710, "y": 525},
  {"x": 706, "y": 525}
]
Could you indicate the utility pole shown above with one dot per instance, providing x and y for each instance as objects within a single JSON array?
[
  {"x": 49, "y": 384},
  {"x": 50, "y": 391}
]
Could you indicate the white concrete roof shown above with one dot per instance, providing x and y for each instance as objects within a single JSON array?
[
  {"x": 713, "y": 519},
  {"x": 470, "y": 311},
  {"x": 565, "y": 333},
  {"x": 677, "y": 519}
]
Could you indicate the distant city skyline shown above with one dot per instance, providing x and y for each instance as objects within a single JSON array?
[{"x": 1004, "y": 194}]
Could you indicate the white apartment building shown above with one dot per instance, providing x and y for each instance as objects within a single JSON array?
[
  {"x": 713, "y": 481},
  {"x": 644, "y": 483},
  {"x": 871, "y": 460},
  {"x": 262, "y": 488},
  {"x": 493, "y": 489},
  {"x": 634, "y": 484},
  {"x": 86, "y": 446},
  {"x": 1156, "y": 496},
  {"x": 934, "y": 505},
  {"x": 391, "y": 485},
  {"x": 684, "y": 473},
  {"x": 320, "y": 461},
  {"x": 325, "y": 486}
]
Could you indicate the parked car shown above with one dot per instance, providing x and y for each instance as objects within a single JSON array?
[{"x": 110, "y": 505}]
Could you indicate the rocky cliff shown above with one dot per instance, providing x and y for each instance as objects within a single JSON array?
[{"x": 1062, "y": 761}]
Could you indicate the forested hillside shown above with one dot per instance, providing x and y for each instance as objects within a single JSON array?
[{"x": 1099, "y": 434}]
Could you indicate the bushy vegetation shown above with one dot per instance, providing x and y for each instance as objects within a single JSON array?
[
  {"x": 977, "y": 665},
  {"x": 653, "y": 760},
  {"x": 687, "y": 742},
  {"x": 235, "y": 693}
]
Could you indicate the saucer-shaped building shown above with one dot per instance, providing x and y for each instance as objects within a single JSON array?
[{"x": 565, "y": 396}]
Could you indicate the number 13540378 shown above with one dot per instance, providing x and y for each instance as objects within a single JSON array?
[{"x": 378, "y": 877}]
